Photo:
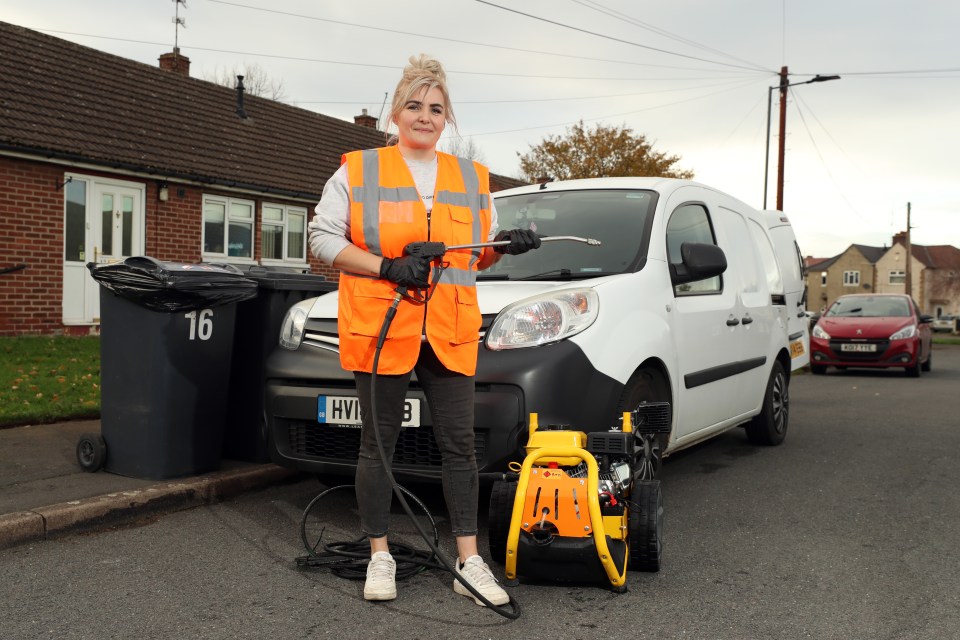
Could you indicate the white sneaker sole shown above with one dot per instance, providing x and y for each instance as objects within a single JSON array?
[
  {"x": 382, "y": 595},
  {"x": 498, "y": 600}
]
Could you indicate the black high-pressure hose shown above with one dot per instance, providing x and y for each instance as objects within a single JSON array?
[{"x": 448, "y": 565}]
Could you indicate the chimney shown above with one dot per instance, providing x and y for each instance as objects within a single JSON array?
[
  {"x": 240, "y": 111},
  {"x": 175, "y": 62},
  {"x": 365, "y": 120},
  {"x": 900, "y": 238}
]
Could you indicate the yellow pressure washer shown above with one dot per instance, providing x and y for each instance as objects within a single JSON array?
[{"x": 584, "y": 507}]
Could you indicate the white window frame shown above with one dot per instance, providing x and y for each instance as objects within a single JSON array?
[
  {"x": 229, "y": 218},
  {"x": 851, "y": 278},
  {"x": 285, "y": 223},
  {"x": 900, "y": 274},
  {"x": 823, "y": 278}
]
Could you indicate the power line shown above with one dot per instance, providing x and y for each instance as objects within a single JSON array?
[
  {"x": 346, "y": 63},
  {"x": 619, "y": 15},
  {"x": 633, "y": 44},
  {"x": 456, "y": 40},
  {"x": 614, "y": 115}
]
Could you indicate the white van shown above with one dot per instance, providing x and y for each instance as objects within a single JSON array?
[{"x": 686, "y": 313}]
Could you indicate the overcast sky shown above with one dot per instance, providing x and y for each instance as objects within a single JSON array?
[{"x": 693, "y": 76}]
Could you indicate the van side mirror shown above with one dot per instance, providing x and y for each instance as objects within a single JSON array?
[{"x": 699, "y": 262}]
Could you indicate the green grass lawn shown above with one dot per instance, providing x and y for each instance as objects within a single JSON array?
[{"x": 49, "y": 378}]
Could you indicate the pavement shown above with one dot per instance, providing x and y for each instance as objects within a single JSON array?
[{"x": 45, "y": 494}]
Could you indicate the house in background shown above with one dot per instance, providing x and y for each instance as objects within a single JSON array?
[
  {"x": 850, "y": 272},
  {"x": 102, "y": 158},
  {"x": 934, "y": 275}
]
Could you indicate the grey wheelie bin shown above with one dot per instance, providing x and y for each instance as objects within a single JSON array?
[
  {"x": 166, "y": 341},
  {"x": 256, "y": 334}
]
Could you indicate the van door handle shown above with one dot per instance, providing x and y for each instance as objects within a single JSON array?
[
  {"x": 732, "y": 322},
  {"x": 747, "y": 320},
  {"x": 800, "y": 313}
]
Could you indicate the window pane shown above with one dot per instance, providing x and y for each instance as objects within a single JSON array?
[
  {"x": 296, "y": 224},
  {"x": 106, "y": 229},
  {"x": 272, "y": 242},
  {"x": 127, "y": 231},
  {"x": 75, "y": 228},
  {"x": 241, "y": 240},
  {"x": 213, "y": 217},
  {"x": 241, "y": 210},
  {"x": 273, "y": 214}
]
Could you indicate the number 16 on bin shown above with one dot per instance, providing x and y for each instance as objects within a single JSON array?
[{"x": 201, "y": 324}]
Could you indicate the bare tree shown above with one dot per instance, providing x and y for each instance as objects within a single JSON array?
[
  {"x": 256, "y": 81},
  {"x": 457, "y": 146}
]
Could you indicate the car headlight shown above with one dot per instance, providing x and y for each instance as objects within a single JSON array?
[
  {"x": 820, "y": 333},
  {"x": 906, "y": 332},
  {"x": 543, "y": 319},
  {"x": 291, "y": 331}
]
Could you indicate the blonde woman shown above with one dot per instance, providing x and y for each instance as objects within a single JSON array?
[{"x": 378, "y": 202}]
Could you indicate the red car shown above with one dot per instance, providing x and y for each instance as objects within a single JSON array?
[{"x": 872, "y": 330}]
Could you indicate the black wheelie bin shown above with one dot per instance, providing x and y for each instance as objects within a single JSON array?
[
  {"x": 256, "y": 335},
  {"x": 166, "y": 341}
]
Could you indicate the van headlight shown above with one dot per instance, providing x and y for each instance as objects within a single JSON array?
[
  {"x": 907, "y": 332},
  {"x": 291, "y": 331},
  {"x": 543, "y": 319}
]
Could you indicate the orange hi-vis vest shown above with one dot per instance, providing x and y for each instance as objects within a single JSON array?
[{"x": 386, "y": 214}]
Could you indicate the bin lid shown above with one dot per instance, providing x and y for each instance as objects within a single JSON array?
[
  {"x": 174, "y": 286},
  {"x": 280, "y": 278}
]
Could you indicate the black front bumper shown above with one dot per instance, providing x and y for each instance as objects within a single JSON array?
[{"x": 555, "y": 381}]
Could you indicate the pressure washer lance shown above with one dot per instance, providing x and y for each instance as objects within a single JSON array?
[{"x": 431, "y": 251}]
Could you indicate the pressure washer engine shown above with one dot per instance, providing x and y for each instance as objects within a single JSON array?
[{"x": 583, "y": 507}]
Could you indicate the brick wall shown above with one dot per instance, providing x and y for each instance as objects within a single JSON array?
[{"x": 31, "y": 233}]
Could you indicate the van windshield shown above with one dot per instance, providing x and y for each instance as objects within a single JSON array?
[{"x": 619, "y": 219}]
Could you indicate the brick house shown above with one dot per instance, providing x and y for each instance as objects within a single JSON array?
[
  {"x": 934, "y": 275},
  {"x": 852, "y": 271},
  {"x": 102, "y": 158}
]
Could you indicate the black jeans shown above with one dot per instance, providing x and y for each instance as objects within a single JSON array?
[{"x": 450, "y": 396}]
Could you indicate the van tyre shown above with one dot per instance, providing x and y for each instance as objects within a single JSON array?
[
  {"x": 645, "y": 524},
  {"x": 769, "y": 427},
  {"x": 502, "y": 495}
]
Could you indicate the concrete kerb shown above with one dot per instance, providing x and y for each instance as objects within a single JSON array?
[{"x": 114, "y": 509}]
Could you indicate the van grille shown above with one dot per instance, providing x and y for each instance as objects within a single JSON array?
[{"x": 415, "y": 447}]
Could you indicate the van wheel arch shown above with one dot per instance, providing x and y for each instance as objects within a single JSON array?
[{"x": 649, "y": 383}]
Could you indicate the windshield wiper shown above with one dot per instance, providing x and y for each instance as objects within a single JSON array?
[{"x": 563, "y": 273}]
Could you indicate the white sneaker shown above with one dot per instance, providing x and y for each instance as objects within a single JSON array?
[
  {"x": 478, "y": 574},
  {"x": 381, "y": 577}
]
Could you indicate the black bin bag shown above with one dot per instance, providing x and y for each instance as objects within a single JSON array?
[{"x": 166, "y": 341}]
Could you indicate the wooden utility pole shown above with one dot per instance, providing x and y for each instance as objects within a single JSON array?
[
  {"x": 781, "y": 152},
  {"x": 908, "y": 284}
]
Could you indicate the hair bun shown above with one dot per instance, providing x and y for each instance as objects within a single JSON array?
[{"x": 424, "y": 65}]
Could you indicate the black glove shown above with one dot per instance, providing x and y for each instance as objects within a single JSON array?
[
  {"x": 408, "y": 271},
  {"x": 521, "y": 241}
]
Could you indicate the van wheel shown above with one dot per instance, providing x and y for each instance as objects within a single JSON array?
[
  {"x": 646, "y": 385},
  {"x": 502, "y": 495},
  {"x": 769, "y": 427}
]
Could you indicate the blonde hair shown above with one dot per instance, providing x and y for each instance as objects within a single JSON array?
[{"x": 422, "y": 72}]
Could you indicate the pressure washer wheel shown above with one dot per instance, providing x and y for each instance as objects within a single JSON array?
[
  {"x": 502, "y": 495},
  {"x": 646, "y": 526},
  {"x": 91, "y": 452}
]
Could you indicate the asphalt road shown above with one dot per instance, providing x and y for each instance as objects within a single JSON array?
[{"x": 849, "y": 530}]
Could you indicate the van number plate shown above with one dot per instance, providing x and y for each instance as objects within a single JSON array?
[
  {"x": 858, "y": 346},
  {"x": 344, "y": 411}
]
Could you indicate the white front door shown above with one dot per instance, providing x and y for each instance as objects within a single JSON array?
[{"x": 104, "y": 223}]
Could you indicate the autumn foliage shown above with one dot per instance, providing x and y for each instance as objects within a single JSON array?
[{"x": 597, "y": 153}]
